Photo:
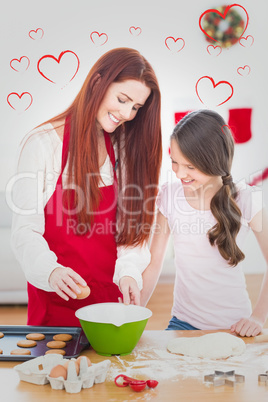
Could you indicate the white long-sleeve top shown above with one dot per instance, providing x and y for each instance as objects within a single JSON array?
[{"x": 39, "y": 166}]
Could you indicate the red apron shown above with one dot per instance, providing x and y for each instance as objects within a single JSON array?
[{"x": 92, "y": 255}]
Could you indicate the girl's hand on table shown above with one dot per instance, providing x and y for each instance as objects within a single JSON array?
[
  {"x": 130, "y": 290},
  {"x": 64, "y": 280},
  {"x": 247, "y": 327}
]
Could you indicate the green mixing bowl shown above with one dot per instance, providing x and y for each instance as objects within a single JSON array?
[{"x": 113, "y": 328}]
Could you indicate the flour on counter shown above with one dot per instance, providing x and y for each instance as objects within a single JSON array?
[{"x": 159, "y": 364}]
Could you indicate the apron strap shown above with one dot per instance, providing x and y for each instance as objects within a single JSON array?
[{"x": 110, "y": 151}]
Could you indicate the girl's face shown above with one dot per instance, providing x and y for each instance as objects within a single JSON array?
[
  {"x": 191, "y": 178},
  {"x": 121, "y": 103}
]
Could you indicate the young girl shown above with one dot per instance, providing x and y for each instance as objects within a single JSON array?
[{"x": 209, "y": 217}]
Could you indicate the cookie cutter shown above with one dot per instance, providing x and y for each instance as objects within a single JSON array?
[
  {"x": 263, "y": 378},
  {"x": 224, "y": 378}
]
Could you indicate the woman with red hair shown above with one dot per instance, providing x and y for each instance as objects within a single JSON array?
[{"x": 84, "y": 213}]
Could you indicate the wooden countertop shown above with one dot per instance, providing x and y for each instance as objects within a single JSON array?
[{"x": 180, "y": 378}]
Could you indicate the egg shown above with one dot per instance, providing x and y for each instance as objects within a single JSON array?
[
  {"x": 88, "y": 360},
  {"x": 85, "y": 292},
  {"x": 76, "y": 366},
  {"x": 58, "y": 371}
]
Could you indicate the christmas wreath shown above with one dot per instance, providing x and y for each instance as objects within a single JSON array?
[{"x": 224, "y": 30}]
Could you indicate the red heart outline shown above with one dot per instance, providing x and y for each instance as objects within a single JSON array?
[
  {"x": 35, "y": 31},
  {"x": 103, "y": 33},
  {"x": 212, "y": 10},
  {"x": 58, "y": 61},
  {"x": 135, "y": 30},
  {"x": 214, "y": 47},
  {"x": 19, "y": 60},
  {"x": 249, "y": 36},
  {"x": 20, "y": 96},
  {"x": 243, "y": 68},
  {"x": 225, "y": 125},
  {"x": 175, "y": 40},
  {"x": 214, "y": 86}
]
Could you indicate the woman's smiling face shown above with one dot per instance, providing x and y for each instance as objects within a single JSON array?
[{"x": 121, "y": 103}]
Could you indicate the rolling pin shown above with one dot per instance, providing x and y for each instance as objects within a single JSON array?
[{"x": 261, "y": 338}]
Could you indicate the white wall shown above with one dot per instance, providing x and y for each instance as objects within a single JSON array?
[{"x": 67, "y": 25}]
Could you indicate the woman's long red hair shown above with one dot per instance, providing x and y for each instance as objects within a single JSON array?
[{"x": 138, "y": 141}]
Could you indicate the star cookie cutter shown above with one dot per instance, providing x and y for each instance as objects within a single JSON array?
[
  {"x": 263, "y": 378},
  {"x": 225, "y": 378}
]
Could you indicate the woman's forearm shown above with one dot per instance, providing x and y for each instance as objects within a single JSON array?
[
  {"x": 158, "y": 248},
  {"x": 150, "y": 278}
]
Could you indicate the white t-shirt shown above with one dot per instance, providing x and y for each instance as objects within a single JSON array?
[
  {"x": 208, "y": 293},
  {"x": 39, "y": 166}
]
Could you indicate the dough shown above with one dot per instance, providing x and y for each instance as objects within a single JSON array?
[{"x": 218, "y": 345}]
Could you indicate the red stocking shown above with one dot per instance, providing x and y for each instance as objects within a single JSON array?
[
  {"x": 240, "y": 124},
  {"x": 179, "y": 115}
]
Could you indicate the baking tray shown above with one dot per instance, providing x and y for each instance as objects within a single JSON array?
[{"x": 14, "y": 333}]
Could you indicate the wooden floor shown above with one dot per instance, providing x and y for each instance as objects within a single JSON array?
[{"x": 160, "y": 304}]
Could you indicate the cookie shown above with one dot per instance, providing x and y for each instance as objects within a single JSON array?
[
  {"x": 56, "y": 344},
  {"x": 58, "y": 351},
  {"x": 20, "y": 352},
  {"x": 1, "y": 335},
  {"x": 35, "y": 337},
  {"x": 1, "y": 352},
  {"x": 25, "y": 343},
  {"x": 62, "y": 337}
]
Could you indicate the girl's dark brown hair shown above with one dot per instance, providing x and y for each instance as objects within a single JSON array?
[
  {"x": 138, "y": 140},
  {"x": 206, "y": 141}
]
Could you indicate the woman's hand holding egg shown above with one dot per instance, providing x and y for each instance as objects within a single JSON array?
[{"x": 66, "y": 283}]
